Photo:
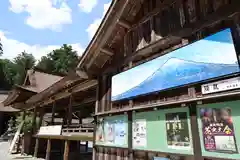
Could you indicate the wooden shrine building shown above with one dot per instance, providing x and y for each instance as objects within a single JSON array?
[
  {"x": 168, "y": 80},
  {"x": 62, "y": 115}
]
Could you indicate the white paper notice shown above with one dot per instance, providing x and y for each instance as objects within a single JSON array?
[{"x": 139, "y": 133}]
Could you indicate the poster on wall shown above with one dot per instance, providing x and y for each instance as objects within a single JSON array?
[
  {"x": 120, "y": 132},
  {"x": 177, "y": 130},
  {"x": 139, "y": 133},
  {"x": 100, "y": 131},
  {"x": 218, "y": 130},
  {"x": 109, "y": 132}
]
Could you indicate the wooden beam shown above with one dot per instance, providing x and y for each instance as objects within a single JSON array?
[
  {"x": 124, "y": 24},
  {"x": 107, "y": 52},
  {"x": 80, "y": 87},
  {"x": 82, "y": 74},
  {"x": 108, "y": 32},
  {"x": 223, "y": 13}
]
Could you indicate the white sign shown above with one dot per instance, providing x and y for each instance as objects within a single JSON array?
[
  {"x": 139, "y": 133},
  {"x": 50, "y": 130},
  {"x": 223, "y": 85}
]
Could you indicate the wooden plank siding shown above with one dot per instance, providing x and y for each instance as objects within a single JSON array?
[
  {"x": 178, "y": 15},
  {"x": 153, "y": 24}
]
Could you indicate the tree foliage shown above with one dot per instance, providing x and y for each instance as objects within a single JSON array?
[
  {"x": 61, "y": 60},
  {"x": 14, "y": 72},
  {"x": 8, "y": 74},
  {"x": 22, "y": 63}
]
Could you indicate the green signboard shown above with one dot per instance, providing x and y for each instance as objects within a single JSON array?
[{"x": 164, "y": 130}]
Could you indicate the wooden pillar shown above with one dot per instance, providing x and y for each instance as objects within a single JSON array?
[
  {"x": 69, "y": 122},
  {"x": 69, "y": 117},
  {"x": 33, "y": 131},
  {"x": 38, "y": 127},
  {"x": 97, "y": 109},
  {"x": 66, "y": 150},
  {"x": 102, "y": 94},
  {"x": 130, "y": 136},
  {"x": 48, "y": 151},
  {"x": 195, "y": 133},
  {"x": 34, "y": 120},
  {"x": 23, "y": 119}
]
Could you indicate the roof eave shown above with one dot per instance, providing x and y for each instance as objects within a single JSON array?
[{"x": 105, "y": 30}]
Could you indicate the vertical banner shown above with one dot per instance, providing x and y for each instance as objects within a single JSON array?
[
  {"x": 100, "y": 131},
  {"x": 139, "y": 133},
  {"x": 218, "y": 130},
  {"x": 109, "y": 132},
  {"x": 177, "y": 130}
]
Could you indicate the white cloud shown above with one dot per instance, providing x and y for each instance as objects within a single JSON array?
[
  {"x": 87, "y": 5},
  {"x": 92, "y": 28},
  {"x": 12, "y": 47},
  {"x": 43, "y": 14}
]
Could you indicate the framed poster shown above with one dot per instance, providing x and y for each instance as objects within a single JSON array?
[
  {"x": 139, "y": 133},
  {"x": 112, "y": 131},
  {"x": 120, "y": 132},
  {"x": 178, "y": 136},
  {"x": 218, "y": 130}
]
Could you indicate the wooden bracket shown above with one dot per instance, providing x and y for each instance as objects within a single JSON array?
[
  {"x": 124, "y": 24},
  {"x": 107, "y": 52},
  {"x": 82, "y": 74}
]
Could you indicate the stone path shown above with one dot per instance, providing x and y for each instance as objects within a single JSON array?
[{"x": 4, "y": 155}]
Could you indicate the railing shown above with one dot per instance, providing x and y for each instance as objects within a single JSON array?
[{"x": 84, "y": 128}]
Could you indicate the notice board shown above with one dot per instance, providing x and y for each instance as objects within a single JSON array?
[
  {"x": 112, "y": 131},
  {"x": 163, "y": 130}
]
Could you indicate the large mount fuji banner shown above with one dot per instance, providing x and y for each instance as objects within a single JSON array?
[{"x": 208, "y": 58}]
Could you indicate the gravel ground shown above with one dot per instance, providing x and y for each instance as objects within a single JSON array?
[{"x": 4, "y": 154}]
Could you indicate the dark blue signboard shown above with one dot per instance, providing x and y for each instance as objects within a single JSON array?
[{"x": 205, "y": 59}]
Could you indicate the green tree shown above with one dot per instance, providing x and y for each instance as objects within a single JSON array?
[
  {"x": 60, "y": 60},
  {"x": 22, "y": 63},
  {"x": 7, "y": 72}
]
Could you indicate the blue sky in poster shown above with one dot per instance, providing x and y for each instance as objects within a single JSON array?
[{"x": 208, "y": 58}]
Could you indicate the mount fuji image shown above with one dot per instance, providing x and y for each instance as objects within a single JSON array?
[{"x": 208, "y": 58}]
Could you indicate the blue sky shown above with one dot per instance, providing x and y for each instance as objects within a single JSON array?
[
  {"x": 39, "y": 26},
  {"x": 218, "y": 49}
]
